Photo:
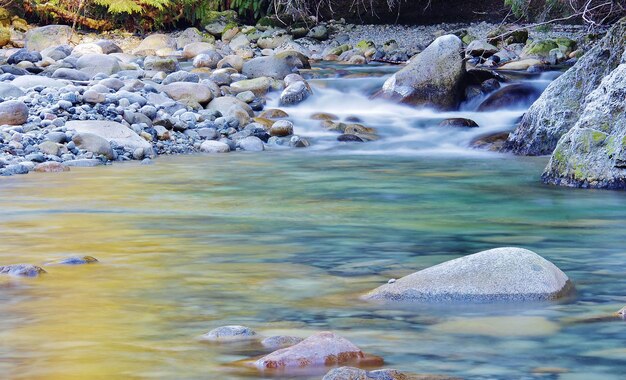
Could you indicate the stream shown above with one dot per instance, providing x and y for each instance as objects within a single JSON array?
[{"x": 286, "y": 241}]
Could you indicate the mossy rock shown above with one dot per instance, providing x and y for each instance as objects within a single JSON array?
[
  {"x": 340, "y": 49},
  {"x": 539, "y": 48},
  {"x": 566, "y": 45},
  {"x": 225, "y": 16},
  {"x": 5, "y": 17},
  {"x": 365, "y": 45},
  {"x": 5, "y": 36},
  {"x": 508, "y": 34},
  {"x": 467, "y": 39}
]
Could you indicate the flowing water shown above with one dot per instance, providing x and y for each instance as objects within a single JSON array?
[{"x": 286, "y": 241}]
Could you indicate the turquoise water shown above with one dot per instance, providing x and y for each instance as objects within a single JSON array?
[{"x": 285, "y": 242}]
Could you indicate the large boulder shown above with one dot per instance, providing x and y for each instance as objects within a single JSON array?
[
  {"x": 432, "y": 78},
  {"x": 46, "y": 36},
  {"x": 325, "y": 348},
  {"x": 501, "y": 274},
  {"x": 111, "y": 131},
  {"x": 562, "y": 103},
  {"x": 155, "y": 42},
  {"x": 13, "y": 112},
  {"x": 593, "y": 153},
  {"x": 515, "y": 96}
]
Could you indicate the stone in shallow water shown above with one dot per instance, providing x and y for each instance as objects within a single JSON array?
[
  {"x": 280, "y": 341},
  {"x": 51, "y": 167},
  {"x": 324, "y": 348},
  {"x": 351, "y": 373},
  {"x": 501, "y": 274},
  {"x": 231, "y": 333},
  {"x": 75, "y": 260},
  {"x": 22, "y": 270}
]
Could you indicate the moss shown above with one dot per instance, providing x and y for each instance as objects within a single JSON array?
[
  {"x": 340, "y": 49},
  {"x": 566, "y": 45},
  {"x": 540, "y": 48},
  {"x": 598, "y": 137},
  {"x": 579, "y": 173},
  {"x": 365, "y": 45},
  {"x": 225, "y": 16},
  {"x": 605, "y": 127}
]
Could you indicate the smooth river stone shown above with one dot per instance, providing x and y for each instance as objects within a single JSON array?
[
  {"x": 110, "y": 131},
  {"x": 501, "y": 274},
  {"x": 231, "y": 333},
  {"x": 499, "y": 326},
  {"x": 324, "y": 348},
  {"x": 22, "y": 270}
]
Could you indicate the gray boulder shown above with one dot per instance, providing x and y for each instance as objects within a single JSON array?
[
  {"x": 10, "y": 91},
  {"x": 432, "y": 78},
  {"x": 593, "y": 153},
  {"x": 273, "y": 67},
  {"x": 70, "y": 74},
  {"x": 251, "y": 144},
  {"x": 295, "y": 93},
  {"x": 46, "y": 36},
  {"x": 562, "y": 103},
  {"x": 93, "y": 64},
  {"x": 501, "y": 274}
]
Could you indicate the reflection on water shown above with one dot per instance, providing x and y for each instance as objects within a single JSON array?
[{"x": 285, "y": 242}]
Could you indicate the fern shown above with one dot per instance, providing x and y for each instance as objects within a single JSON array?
[{"x": 131, "y": 6}]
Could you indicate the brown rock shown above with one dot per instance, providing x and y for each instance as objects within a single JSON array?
[{"x": 51, "y": 167}]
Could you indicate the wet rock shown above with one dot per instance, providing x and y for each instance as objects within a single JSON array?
[
  {"x": 515, "y": 96},
  {"x": 225, "y": 103},
  {"x": 21, "y": 270},
  {"x": 492, "y": 142},
  {"x": 458, "y": 122},
  {"x": 252, "y": 144},
  {"x": 325, "y": 348},
  {"x": 212, "y": 146},
  {"x": 281, "y": 128},
  {"x": 51, "y": 167},
  {"x": 230, "y": 334},
  {"x": 622, "y": 312},
  {"x": 432, "y": 78},
  {"x": 259, "y": 86},
  {"x": 349, "y": 138},
  {"x": 295, "y": 93},
  {"x": 274, "y": 114},
  {"x": 593, "y": 153},
  {"x": 280, "y": 341},
  {"x": 351, "y": 373},
  {"x": 323, "y": 116},
  {"x": 13, "y": 112},
  {"x": 84, "y": 162},
  {"x": 562, "y": 103},
  {"x": 75, "y": 260},
  {"x": 346, "y": 373},
  {"x": 501, "y": 274},
  {"x": 523, "y": 64}
]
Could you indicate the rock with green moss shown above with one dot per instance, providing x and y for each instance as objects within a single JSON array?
[
  {"x": 47, "y": 36},
  {"x": 365, "y": 45},
  {"x": 507, "y": 35},
  {"x": 593, "y": 153},
  {"x": 539, "y": 49},
  {"x": 217, "y": 23},
  {"x": 340, "y": 49},
  {"x": 563, "y": 102},
  {"x": 5, "y": 17},
  {"x": 5, "y": 36},
  {"x": 566, "y": 45}
]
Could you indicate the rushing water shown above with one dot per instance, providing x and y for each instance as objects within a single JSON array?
[{"x": 286, "y": 241}]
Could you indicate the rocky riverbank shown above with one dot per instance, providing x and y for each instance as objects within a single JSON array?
[{"x": 80, "y": 100}]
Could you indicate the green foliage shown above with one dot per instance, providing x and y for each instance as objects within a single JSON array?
[{"x": 132, "y": 6}]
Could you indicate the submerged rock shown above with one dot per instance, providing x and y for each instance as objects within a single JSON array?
[
  {"x": 432, "y": 78},
  {"x": 230, "y": 333},
  {"x": 352, "y": 373},
  {"x": 458, "y": 122},
  {"x": 515, "y": 96},
  {"x": 562, "y": 103},
  {"x": 501, "y": 274},
  {"x": 280, "y": 341},
  {"x": 22, "y": 270},
  {"x": 325, "y": 348},
  {"x": 622, "y": 312}
]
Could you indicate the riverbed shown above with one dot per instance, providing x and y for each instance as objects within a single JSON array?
[{"x": 285, "y": 242}]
